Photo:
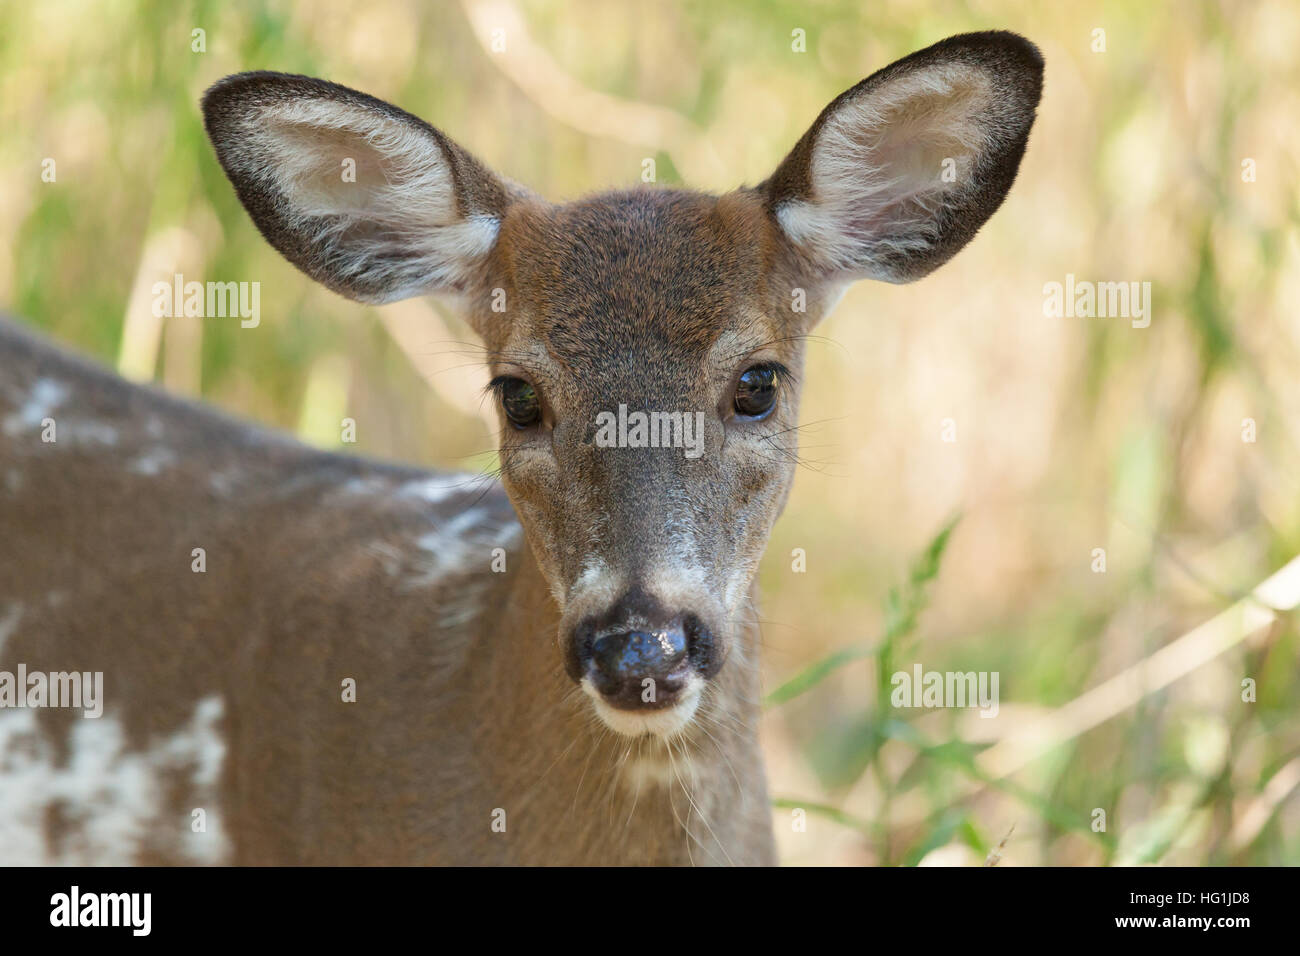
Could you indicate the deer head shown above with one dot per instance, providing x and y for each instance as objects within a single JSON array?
[{"x": 645, "y": 346}]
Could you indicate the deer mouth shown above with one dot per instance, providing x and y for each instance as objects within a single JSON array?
[{"x": 661, "y": 718}]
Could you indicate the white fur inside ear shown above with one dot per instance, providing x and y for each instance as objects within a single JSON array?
[
  {"x": 884, "y": 167},
  {"x": 372, "y": 194}
]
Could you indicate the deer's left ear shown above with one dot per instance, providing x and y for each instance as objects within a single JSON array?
[{"x": 899, "y": 172}]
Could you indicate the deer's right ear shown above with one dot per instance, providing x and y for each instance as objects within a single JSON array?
[
  {"x": 899, "y": 172},
  {"x": 363, "y": 197}
]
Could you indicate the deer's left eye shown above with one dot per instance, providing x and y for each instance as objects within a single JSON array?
[
  {"x": 519, "y": 399},
  {"x": 756, "y": 391}
]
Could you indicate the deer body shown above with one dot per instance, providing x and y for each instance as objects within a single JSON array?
[
  {"x": 346, "y": 672},
  {"x": 383, "y": 576}
]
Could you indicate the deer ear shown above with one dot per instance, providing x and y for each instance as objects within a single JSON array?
[
  {"x": 367, "y": 199},
  {"x": 899, "y": 172}
]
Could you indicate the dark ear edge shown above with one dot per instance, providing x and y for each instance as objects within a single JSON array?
[
  {"x": 1016, "y": 68},
  {"x": 227, "y": 106}
]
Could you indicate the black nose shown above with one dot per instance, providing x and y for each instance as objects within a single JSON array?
[
  {"x": 640, "y": 669},
  {"x": 646, "y": 668}
]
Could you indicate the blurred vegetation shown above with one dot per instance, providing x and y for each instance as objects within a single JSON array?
[{"x": 1072, "y": 434}]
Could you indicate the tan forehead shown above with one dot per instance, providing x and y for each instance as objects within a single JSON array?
[{"x": 660, "y": 272}]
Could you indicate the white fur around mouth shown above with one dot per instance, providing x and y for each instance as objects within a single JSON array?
[{"x": 661, "y": 723}]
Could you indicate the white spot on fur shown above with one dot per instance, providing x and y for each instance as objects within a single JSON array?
[
  {"x": 389, "y": 556},
  {"x": 363, "y": 486},
  {"x": 447, "y": 550},
  {"x": 153, "y": 462},
  {"x": 96, "y": 433},
  {"x": 113, "y": 795},
  {"x": 433, "y": 489},
  {"x": 463, "y": 544},
  {"x": 46, "y": 396},
  {"x": 224, "y": 483}
]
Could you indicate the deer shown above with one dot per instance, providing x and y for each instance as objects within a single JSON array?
[{"x": 316, "y": 658}]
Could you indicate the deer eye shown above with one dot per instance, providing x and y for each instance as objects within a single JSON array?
[
  {"x": 519, "y": 399},
  {"x": 756, "y": 391}
]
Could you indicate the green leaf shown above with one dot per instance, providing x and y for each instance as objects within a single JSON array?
[{"x": 815, "y": 673}]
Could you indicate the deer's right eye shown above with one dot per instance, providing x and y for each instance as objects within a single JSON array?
[
  {"x": 519, "y": 399},
  {"x": 756, "y": 390}
]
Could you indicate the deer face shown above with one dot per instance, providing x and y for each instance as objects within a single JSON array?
[
  {"x": 645, "y": 346},
  {"x": 646, "y": 376}
]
